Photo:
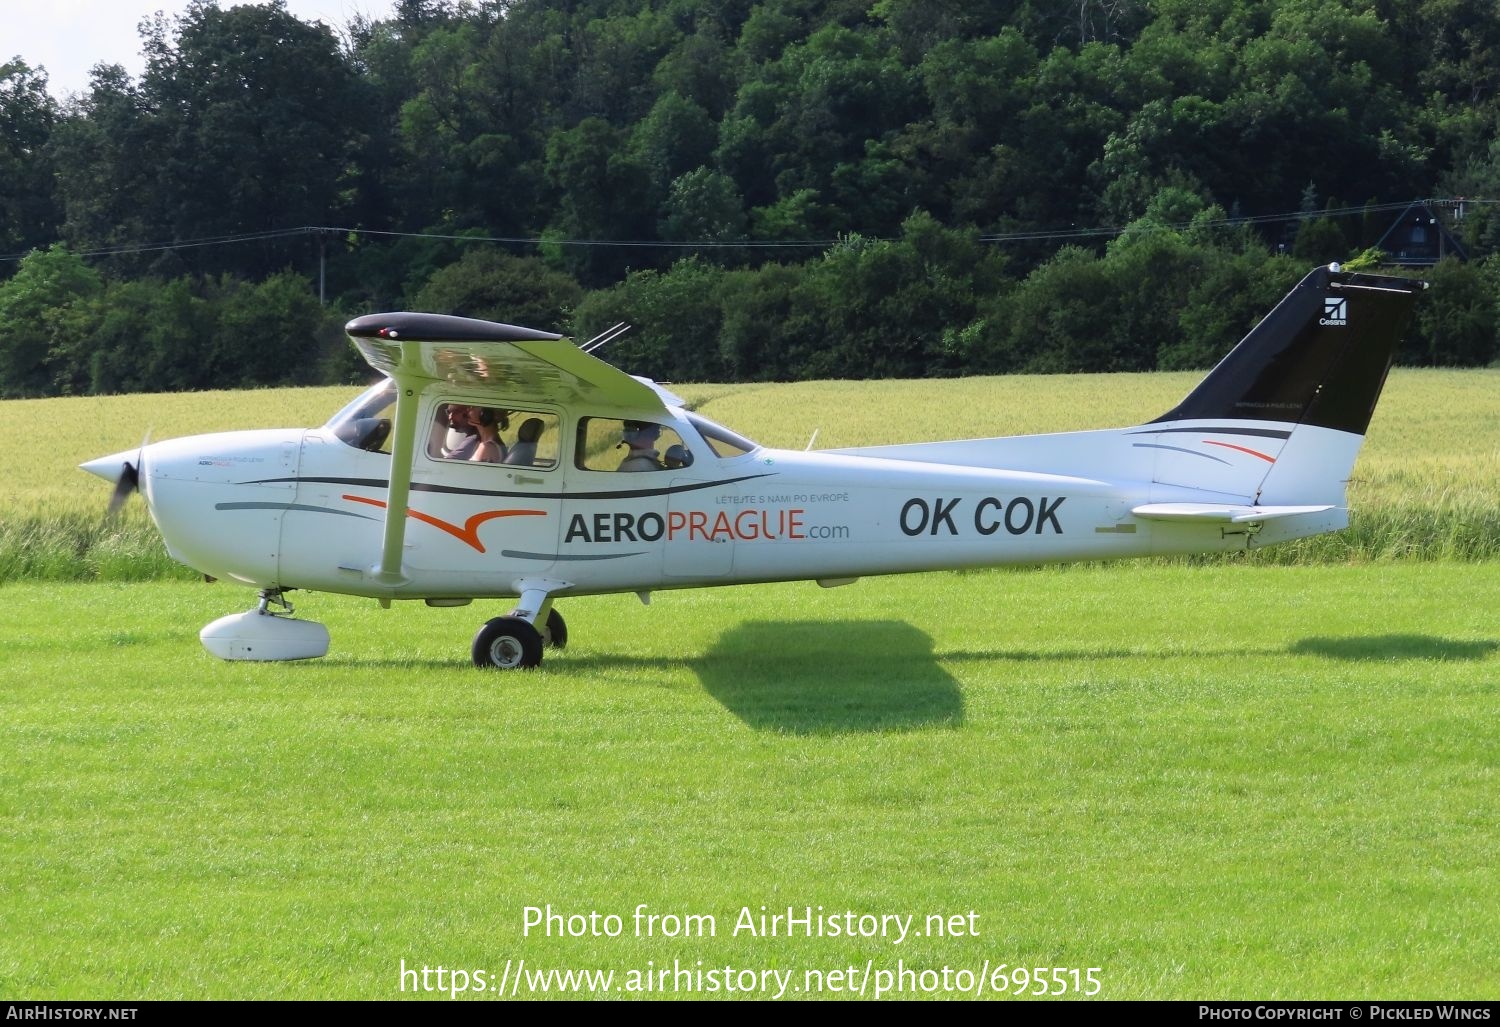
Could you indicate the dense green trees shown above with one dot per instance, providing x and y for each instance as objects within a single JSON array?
[
  {"x": 658, "y": 148},
  {"x": 41, "y": 307},
  {"x": 245, "y": 119},
  {"x": 28, "y": 117},
  {"x": 499, "y": 287},
  {"x": 68, "y": 331}
]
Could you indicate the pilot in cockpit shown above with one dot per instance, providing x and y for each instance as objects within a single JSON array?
[
  {"x": 641, "y": 437},
  {"x": 461, "y": 438}
]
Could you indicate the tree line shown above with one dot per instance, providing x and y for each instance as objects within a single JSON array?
[{"x": 767, "y": 189}]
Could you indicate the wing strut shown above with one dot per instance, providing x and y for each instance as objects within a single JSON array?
[{"x": 403, "y": 451}]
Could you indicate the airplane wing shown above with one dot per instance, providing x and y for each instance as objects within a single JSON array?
[{"x": 522, "y": 363}]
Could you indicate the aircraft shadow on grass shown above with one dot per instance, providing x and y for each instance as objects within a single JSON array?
[
  {"x": 830, "y": 678},
  {"x": 1395, "y": 647},
  {"x": 800, "y": 677},
  {"x": 834, "y": 678}
]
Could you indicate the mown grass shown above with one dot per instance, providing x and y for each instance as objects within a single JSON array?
[
  {"x": 1260, "y": 782},
  {"x": 1423, "y": 489}
]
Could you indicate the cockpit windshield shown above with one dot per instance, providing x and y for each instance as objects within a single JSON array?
[
  {"x": 366, "y": 422},
  {"x": 726, "y": 444}
]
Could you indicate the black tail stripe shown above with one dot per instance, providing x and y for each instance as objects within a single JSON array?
[{"x": 1265, "y": 433}]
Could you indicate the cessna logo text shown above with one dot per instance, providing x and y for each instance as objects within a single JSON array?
[
  {"x": 688, "y": 526},
  {"x": 1019, "y": 516},
  {"x": 1335, "y": 311}
]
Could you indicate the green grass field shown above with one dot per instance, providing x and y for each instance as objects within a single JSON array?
[
  {"x": 1254, "y": 782},
  {"x": 1236, "y": 779}
]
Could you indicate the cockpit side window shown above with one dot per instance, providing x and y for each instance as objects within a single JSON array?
[
  {"x": 475, "y": 433},
  {"x": 611, "y": 444}
]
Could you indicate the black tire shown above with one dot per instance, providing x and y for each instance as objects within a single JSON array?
[
  {"x": 555, "y": 634},
  {"x": 507, "y": 643}
]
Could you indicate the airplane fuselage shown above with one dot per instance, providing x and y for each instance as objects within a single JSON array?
[{"x": 298, "y": 508}]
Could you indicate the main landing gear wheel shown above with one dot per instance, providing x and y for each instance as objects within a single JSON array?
[
  {"x": 555, "y": 634},
  {"x": 507, "y": 643}
]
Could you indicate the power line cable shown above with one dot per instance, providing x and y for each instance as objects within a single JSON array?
[{"x": 1028, "y": 235}]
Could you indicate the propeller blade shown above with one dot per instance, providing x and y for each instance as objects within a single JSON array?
[{"x": 129, "y": 481}]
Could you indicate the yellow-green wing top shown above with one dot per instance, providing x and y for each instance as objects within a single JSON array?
[{"x": 515, "y": 362}]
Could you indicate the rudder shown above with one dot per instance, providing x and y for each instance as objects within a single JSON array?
[{"x": 1304, "y": 381}]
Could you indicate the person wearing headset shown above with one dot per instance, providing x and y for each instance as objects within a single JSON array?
[
  {"x": 457, "y": 442},
  {"x": 489, "y": 424},
  {"x": 641, "y": 437}
]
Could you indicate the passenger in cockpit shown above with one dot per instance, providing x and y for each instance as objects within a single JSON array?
[{"x": 488, "y": 424}]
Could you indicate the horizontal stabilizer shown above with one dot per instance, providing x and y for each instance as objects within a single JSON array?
[{"x": 1222, "y": 513}]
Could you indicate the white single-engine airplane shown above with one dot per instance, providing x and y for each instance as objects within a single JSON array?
[{"x": 490, "y": 462}]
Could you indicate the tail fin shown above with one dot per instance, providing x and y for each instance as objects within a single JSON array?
[
  {"x": 1320, "y": 357},
  {"x": 1301, "y": 387}
]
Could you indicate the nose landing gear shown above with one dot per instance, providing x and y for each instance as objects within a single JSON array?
[{"x": 264, "y": 634}]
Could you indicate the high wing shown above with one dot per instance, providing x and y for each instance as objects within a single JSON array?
[
  {"x": 417, "y": 349},
  {"x": 522, "y": 363}
]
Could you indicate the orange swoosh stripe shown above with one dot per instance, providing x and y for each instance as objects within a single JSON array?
[
  {"x": 469, "y": 533},
  {"x": 1242, "y": 449}
]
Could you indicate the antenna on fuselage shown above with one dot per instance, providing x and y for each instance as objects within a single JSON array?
[{"x": 605, "y": 337}]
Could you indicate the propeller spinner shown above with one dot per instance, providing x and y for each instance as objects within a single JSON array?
[{"x": 124, "y": 469}]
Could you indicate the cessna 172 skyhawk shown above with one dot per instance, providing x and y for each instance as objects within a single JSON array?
[{"x": 383, "y": 501}]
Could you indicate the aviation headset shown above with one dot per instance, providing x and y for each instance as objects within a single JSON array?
[{"x": 488, "y": 417}]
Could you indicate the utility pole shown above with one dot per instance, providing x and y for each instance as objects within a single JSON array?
[{"x": 322, "y": 266}]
